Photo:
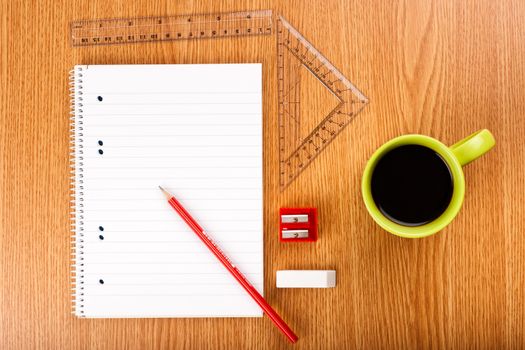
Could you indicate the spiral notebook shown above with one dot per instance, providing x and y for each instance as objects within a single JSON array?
[{"x": 195, "y": 130}]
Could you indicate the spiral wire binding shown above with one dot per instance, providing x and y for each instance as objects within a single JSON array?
[{"x": 76, "y": 164}]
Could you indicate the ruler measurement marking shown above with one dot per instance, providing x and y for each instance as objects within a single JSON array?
[
  {"x": 144, "y": 37},
  {"x": 169, "y": 28},
  {"x": 187, "y": 17},
  {"x": 115, "y": 35},
  {"x": 150, "y": 25}
]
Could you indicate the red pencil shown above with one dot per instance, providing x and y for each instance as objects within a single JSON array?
[{"x": 276, "y": 319}]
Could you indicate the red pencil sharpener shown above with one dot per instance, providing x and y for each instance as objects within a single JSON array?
[{"x": 298, "y": 224}]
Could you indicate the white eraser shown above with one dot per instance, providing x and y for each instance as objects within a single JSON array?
[{"x": 305, "y": 278}]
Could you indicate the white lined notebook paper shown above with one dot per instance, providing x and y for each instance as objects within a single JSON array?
[{"x": 195, "y": 130}]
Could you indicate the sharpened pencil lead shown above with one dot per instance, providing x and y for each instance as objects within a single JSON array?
[{"x": 166, "y": 193}]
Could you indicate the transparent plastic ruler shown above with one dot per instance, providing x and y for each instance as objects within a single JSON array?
[
  {"x": 162, "y": 28},
  {"x": 297, "y": 56}
]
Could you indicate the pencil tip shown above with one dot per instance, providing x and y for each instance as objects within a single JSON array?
[{"x": 166, "y": 193}]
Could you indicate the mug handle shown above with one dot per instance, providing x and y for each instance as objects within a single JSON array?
[{"x": 473, "y": 146}]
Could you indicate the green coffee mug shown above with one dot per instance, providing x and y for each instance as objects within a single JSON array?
[{"x": 456, "y": 156}]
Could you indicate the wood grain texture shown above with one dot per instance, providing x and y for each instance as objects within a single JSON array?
[{"x": 441, "y": 68}]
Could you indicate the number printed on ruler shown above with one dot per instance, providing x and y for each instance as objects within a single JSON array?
[{"x": 180, "y": 27}]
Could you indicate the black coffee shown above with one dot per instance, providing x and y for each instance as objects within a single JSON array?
[{"x": 412, "y": 185}]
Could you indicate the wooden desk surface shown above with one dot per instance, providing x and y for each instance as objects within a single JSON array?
[{"x": 441, "y": 68}]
